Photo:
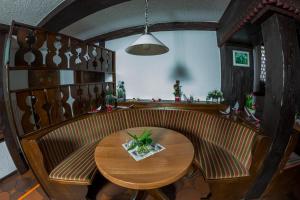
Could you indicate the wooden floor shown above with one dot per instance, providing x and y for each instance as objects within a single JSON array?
[{"x": 25, "y": 187}]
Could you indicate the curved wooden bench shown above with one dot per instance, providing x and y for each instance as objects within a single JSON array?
[{"x": 225, "y": 151}]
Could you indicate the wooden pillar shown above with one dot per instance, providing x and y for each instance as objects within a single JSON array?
[
  {"x": 282, "y": 53},
  {"x": 11, "y": 141}
]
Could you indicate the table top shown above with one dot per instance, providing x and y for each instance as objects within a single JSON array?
[{"x": 156, "y": 171}]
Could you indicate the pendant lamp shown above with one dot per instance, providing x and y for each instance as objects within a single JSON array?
[{"x": 147, "y": 44}]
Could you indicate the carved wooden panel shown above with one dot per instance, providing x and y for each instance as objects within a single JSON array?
[
  {"x": 43, "y": 78},
  {"x": 30, "y": 42},
  {"x": 95, "y": 91},
  {"x": 41, "y": 108},
  {"x": 24, "y": 102},
  {"x": 95, "y": 55},
  {"x": 81, "y": 96},
  {"x": 53, "y": 97},
  {"x": 46, "y": 99},
  {"x": 57, "y": 48},
  {"x": 66, "y": 102},
  {"x": 77, "y": 60}
]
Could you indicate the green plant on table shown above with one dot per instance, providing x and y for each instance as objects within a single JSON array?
[{"x": 142, "y": 142}]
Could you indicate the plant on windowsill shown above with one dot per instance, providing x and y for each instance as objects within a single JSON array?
[
  {"x": 177, "y": 91},
  {"x": 142, "y": 142},
  {"x": 215, "y": 96}
]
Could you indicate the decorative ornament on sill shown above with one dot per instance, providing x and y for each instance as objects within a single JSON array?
[
  {"x": 147, "y": 44},
  {"x": 121, "y": 92},
  {"x": 215, "y": 96}
]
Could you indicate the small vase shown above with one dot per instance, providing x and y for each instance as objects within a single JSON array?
[
  {"x": 177, "y": 99},
  {"x": 109, "y": 108}
]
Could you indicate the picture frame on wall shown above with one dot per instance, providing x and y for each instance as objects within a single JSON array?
[{"x": 241, "y": 58}]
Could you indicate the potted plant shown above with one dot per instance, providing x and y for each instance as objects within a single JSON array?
[
  {"x": 142, "y": 142},
  {"x": 177, "y": 91},
  {"x": 215, "y": 96}
]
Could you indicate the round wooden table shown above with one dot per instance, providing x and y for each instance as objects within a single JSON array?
[{"x": 154, "y": 172}]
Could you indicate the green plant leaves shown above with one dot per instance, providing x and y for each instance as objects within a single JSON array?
[{"x": 142, "y": 142}]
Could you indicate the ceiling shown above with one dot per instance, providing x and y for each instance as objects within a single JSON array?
[
  {"x": 26, "y": 11},
  {"x": 132, "y": 14},
  {"x": 116, "y": 17}
]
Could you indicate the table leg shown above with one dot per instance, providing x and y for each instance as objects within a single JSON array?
[
  {"x": 137, "y": 195},
  {"x": 157, "y": 194}
]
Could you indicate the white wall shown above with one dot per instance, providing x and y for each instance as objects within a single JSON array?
[
  {"x": 193, "y": 52},
  {"x": 6, "y": 164}
]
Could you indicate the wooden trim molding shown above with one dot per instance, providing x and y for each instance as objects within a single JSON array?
[
  {"x": 170, "y": 26},
  {"x": 71, "y": 11}
]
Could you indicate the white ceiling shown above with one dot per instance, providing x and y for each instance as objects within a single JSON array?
[
  {"x": 26, "y": 11},
  {"x": 120, "y": 16},
  {"x": 132, "y": 14}
]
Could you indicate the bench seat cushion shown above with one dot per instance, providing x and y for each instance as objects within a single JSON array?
[
  {"x": 78, "y": 168},
  {"x": 217, "y": 163}
]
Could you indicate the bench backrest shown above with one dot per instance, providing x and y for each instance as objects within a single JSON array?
[{"x": 233, "y": 137}]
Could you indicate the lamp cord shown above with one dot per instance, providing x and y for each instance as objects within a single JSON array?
[{"x": 146, "y": 16}]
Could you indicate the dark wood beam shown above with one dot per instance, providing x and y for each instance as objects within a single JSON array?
[
  {"x": 8, "y": 133},
  {"x": 4, "y": 28},
  {"x": 282, "y": 84},
  {"x": 71, "y": 11},
  {"x": 239, "y": 13},
  {"x": 171, "y": 26}
]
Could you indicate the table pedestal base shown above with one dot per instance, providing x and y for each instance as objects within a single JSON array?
[{"x": 155, "y": 193}]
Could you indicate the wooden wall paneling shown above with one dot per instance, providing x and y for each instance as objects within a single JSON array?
[
  {"x": 43, "y": 78},
  {"x": 236, "y": 81},
  {"x": 57, "y": 47},
  {"x": 25, "y": 105},
  {"x": 283, "y": 61},
  {"x": 41, "y": 108},
  {"x": 66, "y": 102}
]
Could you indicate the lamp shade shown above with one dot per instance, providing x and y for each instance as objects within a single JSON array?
[{"x": 147, "y": 45}]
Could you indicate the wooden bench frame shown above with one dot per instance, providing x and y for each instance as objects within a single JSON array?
[{"x": 64, "y": 190}]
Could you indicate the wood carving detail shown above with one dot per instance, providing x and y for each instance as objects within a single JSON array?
[
  {"x": 50, "y": 96},
  {"x": 29, "y": 53}
]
